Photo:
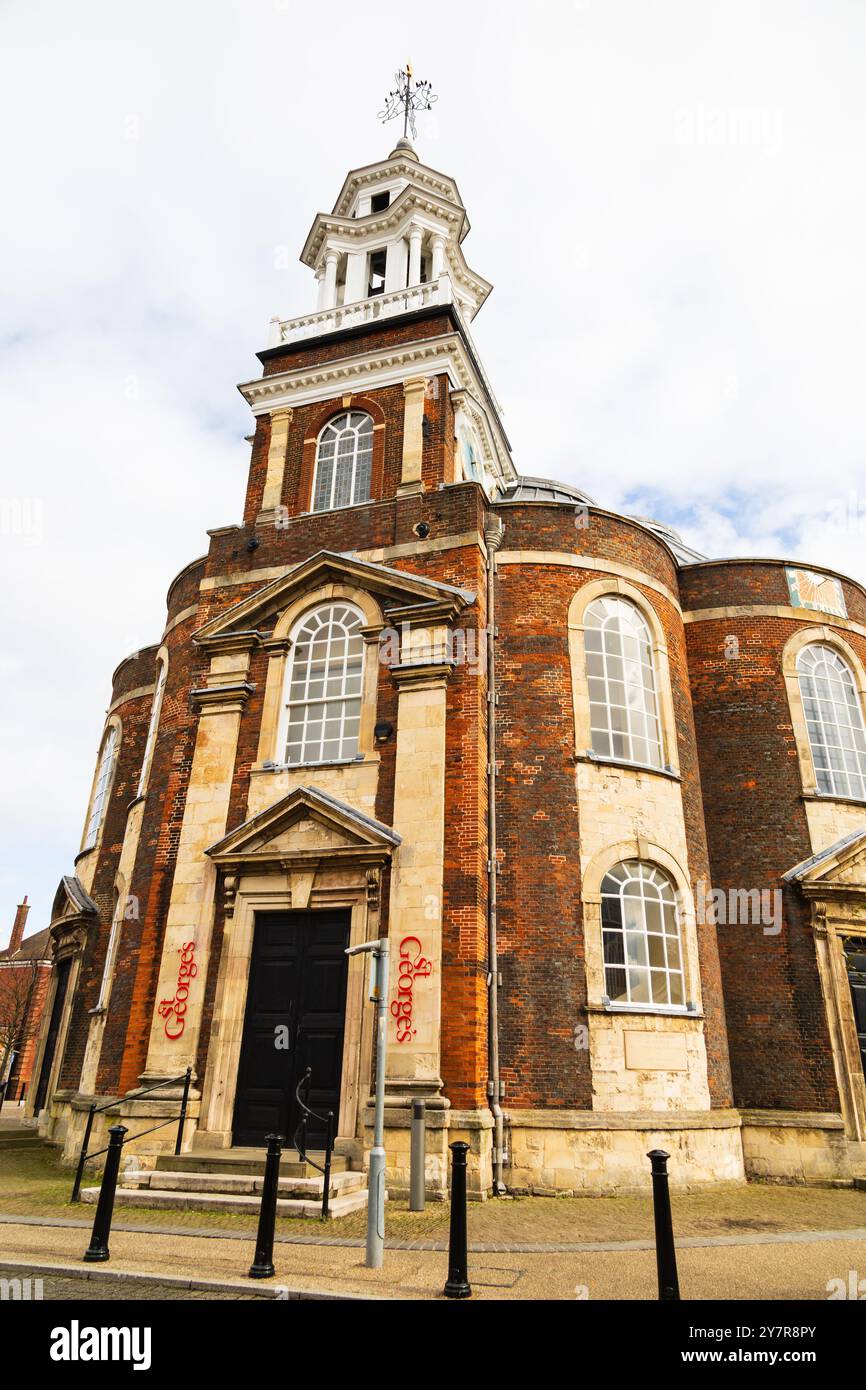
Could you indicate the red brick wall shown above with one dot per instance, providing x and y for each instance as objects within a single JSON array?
[
  {"x": 133, "y": 710},
  {"x": 541, "y": 927},
  {"x": 16, "y": 984},
  {"x": 756, "y": 831}
]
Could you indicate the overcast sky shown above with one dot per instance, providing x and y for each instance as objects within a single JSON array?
[{"x": 668, "y": 196}]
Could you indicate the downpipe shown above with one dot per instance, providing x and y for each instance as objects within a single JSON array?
[{"x": 493, "y": 533}]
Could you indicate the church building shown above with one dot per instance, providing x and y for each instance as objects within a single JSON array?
[{"x": 605, "y": 797}]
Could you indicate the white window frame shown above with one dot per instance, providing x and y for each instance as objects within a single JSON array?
[
  {"x": 346, "y": 690},
  {"x": 348, "y": 422},
  {"x": 155, "y": 711},
  {"x": 110, "y": 956},
  {"x": 656, "y": 887},
  {"x": 604, "y": 712},
  {"x": 826, "y": 730},
  {"x": 105, "y": 770}
]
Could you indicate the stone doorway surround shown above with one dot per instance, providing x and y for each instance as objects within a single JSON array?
[
  {"x": 834, "y": 883},
  {"x": 73, "y": 913},
  {"x": 306, "y": 852}
]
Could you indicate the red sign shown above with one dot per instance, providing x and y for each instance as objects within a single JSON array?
[
  {"x": 174, "y": 1010},
  {"x": 411, "y": 966}
]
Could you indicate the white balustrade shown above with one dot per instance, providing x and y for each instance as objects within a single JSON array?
[{"x": 362, "y": 311}]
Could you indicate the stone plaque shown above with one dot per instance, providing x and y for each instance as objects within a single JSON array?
[{"x": 656, "y": 1052}]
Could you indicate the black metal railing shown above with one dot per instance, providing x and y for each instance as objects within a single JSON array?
[
  {"x": 300, "y": 1139},
  {"x": 110, "y": 1105}
]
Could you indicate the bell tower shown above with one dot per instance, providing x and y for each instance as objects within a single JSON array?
[
  {"x": 393, "y": 298},
  {"x": 396, "y": 227}
]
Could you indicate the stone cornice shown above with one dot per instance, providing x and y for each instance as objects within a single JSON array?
[
  {"x": 302, "y": 385},
  {"x": 808, "y": 616},
  {"x": 225, "y": 642},
  {"x": 445, "y": 354},
  {"x": 221, "y": 698},
  {"x": 397, "y": 166},
  {"x": 422, "y": 673}
]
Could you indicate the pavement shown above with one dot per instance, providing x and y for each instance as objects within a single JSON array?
[
  {"x": 737, "y": 1241},
  {"x": 780, "y": 1266}
]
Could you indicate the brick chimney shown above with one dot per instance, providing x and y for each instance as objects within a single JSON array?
[{"x": 18, "y": 929}]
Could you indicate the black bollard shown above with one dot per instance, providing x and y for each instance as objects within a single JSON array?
[
  {"x": 262, "y": 1266},
  {"x": 666, "y": 1255},
  {"x": 98, "y": 1250},
  {"x": 457, "y": 1285}
]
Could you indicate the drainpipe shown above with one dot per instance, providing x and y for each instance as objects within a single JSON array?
[{"x": 493, "y": 533}]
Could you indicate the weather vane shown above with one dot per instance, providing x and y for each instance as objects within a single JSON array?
[{"x": 407, "y": 97}]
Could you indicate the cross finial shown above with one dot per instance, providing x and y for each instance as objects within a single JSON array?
[{"x": 407, "y": 97}]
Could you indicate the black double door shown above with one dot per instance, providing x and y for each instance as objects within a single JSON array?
[{"x": 295, "y": 1018}]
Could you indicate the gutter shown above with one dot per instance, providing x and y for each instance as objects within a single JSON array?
[{"x": 493, "y": 534}]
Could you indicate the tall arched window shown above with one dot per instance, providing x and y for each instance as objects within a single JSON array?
[
  {"x": 643, "y": 958},
  {"x": 344, "y": 461},
  {"x": 100, "y": 789},
  {"x": 159, "y": 691},
  {"x": 323, "y": 692},
  {"x": 834, "y": 720},
  {"x": 623, "y": 707},
  {"x": 111, "y": 951}
]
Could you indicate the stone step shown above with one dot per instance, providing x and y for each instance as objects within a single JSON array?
[
  {"x": 224, "y": 1201},
  {"x": 20, "y": 1141},
  {"x": 239, "y": 1184},
  {"x": 246, "y": 1161}
]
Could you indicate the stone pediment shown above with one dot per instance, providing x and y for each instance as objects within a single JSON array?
[
  {"x": 72, "y": 912},
  {"x": 304, "y": 828},
  {"x": 71, "y": 900},
  {"x": 837, "y": 870},
  {"x": 398, "y": 592}
]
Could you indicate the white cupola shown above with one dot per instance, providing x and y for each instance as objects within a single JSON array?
[{"x": 392, "y": 243}]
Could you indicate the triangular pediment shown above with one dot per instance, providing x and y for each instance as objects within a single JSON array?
[
  {"x": 306, "y": 825},
  {"x": 841, "y": 866},
  {"x": 71, "y": 900},
  {"x": 397, "y": 591}
]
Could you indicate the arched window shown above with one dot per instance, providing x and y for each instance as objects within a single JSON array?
[
  {"x": 343, "y": 462},
  {"x": 159, "y": 691},
  {"x": 834, "y": 720},
  {"x": 624, "y": 717},
  {"x": 111, "y": 951},
  {"x": 643, "y": 959},
  {"x": 100, "y": 790},
  {"x": 323, "y": 692}
]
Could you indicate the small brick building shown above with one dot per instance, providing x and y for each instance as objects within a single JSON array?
[
  {"x": 25, "y": 975},
  {"x": 606, "y": 798}
]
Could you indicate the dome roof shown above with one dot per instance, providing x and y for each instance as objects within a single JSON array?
[
  {"x": 684, "y": 553},
  {"x": 526, "y": 489}
]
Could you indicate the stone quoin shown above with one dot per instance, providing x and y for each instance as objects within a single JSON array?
[{"x": 416, "y": 692}]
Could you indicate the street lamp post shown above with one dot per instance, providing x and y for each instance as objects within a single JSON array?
[{"x": 378, "y": 951}]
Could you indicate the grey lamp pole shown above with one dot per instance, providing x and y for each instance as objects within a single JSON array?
[{"x": 376, "y": 1173}]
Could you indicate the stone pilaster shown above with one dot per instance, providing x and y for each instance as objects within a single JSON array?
[
  {"x": 413, "y": 435},
  {"x": 280, "y": 421},
  {"x": 186, "y": 943},
  {"x": 415, "y": 930}
]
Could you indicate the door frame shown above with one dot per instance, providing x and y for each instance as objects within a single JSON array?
[
  {"x": 306, "y": 923},
  {"x": 68, "y": 938},
  {"x": 248, "y": 895},
  {"x": 833, "y": 919}
]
